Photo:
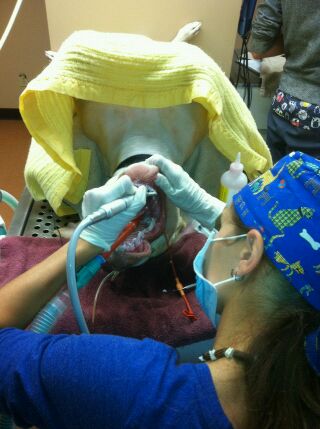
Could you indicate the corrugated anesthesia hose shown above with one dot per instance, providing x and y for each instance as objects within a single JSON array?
[{"x": 45, "y": 321}]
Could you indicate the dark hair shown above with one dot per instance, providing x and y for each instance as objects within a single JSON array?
[{"x": 283, "y": 391}]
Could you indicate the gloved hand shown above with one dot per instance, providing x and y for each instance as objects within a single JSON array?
[
  {"x": 104, "y": 233},
  {"x": 185, "y": 193}
]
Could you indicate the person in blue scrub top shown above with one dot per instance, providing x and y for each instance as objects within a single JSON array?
[{"x": 260, "y": 272}]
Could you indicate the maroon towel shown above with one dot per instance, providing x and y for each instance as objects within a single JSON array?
[{"x": 132, "y": 305}]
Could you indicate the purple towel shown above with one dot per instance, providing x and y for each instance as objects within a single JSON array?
[{"x": 132, "y": 305}]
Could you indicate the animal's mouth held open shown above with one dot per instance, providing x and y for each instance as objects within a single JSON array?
[
  {"x": 152, "y": 224},
  {"x": 150, "y": 227}
]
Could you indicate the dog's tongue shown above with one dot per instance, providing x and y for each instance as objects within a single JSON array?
[{"x": 137, "y": 247}]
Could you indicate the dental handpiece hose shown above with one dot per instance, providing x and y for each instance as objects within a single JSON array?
[{"x": 105, "y": 212}]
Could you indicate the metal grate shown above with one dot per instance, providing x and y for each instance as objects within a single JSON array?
[{"x": 37, "y": 219}]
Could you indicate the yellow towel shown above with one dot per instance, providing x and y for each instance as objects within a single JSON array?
[{"x": 132, "y": 71}]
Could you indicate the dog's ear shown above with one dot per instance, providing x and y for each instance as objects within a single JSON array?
[{"x": 50, "y": 54}]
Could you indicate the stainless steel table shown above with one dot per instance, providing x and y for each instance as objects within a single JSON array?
[{"x": 37, "y": 219}]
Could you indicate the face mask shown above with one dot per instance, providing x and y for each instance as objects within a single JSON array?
[{"x": 206, "y": 292}]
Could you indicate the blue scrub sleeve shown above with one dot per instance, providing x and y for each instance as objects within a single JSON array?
[{"x": 102, "y": 381}]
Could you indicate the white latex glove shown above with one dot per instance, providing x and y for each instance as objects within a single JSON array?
[
  {"x": 104, "y": 233},
  {"x": 185, "y": 193}
]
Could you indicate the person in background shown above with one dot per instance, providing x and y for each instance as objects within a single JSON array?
[
  {"x": 291, "y": 28},
  {"x": 260, "y": 272}
]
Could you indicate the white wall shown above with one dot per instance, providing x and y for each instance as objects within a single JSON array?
[
  {"x": 158, "y": 19},
  {"x": 24, "y": 49}
]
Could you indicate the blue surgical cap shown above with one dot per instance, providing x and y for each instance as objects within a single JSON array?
[{"x": 284, "y": 205}]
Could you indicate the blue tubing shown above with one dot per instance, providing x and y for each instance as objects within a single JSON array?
[
  {"x": 8, "y": 199},
  {"x": 71, "y": 275},
  {"x": 88, "y": 271},
  {"x": 48, "y": 316},
  {"x": 44, "y": 322}
]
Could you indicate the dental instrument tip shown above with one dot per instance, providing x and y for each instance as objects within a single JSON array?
[{"x": 151, "y": 193}]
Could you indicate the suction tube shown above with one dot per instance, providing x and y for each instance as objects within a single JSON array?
[{"x": 105, "y": 212}]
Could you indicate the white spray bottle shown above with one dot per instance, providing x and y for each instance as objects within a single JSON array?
[{"x": 232, "y": 181}]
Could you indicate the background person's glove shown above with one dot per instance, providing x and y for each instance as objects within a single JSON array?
[
  {"x": 185, "y": 193},
  {"x": 104, "y": 233}
]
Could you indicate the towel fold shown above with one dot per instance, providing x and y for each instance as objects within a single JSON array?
[
  {"x": 131, "y": 71},
  {"x": 133, "y": 304}
]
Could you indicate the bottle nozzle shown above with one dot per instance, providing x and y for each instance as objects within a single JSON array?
[{"x": 237, "y": 166}]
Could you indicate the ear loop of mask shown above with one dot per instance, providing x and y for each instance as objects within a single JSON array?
[
  {"x": 206, "y": 291},
  {"x": 234, "y": 275}
]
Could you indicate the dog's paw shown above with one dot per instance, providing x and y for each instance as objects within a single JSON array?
[{"x": 188, "y": 31}]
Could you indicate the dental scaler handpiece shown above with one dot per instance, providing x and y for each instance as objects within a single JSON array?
[{"x": 109, "y": 210}]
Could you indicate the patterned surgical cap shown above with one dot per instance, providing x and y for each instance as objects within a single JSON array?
[{"x": 284, "y": 205}]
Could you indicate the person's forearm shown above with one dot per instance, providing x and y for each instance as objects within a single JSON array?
[
  {"x": 266, "y": 27},
  {"x": 276, "y": 49},
  {"x": 23, "y": 297}
]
